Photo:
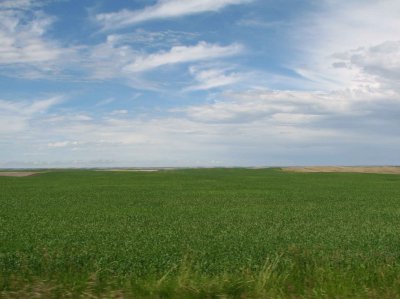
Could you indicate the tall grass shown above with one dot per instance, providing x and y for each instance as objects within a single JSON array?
[{"x": 279, "y": 277}]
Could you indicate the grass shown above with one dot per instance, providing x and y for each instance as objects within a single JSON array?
[{"x": 207, "y": 233}]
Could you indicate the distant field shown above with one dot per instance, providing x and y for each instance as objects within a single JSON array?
[
  {"x": 201, "y": 233},
  {"x": 16, "y": 173},
  {"x": 352, "y": 169}
]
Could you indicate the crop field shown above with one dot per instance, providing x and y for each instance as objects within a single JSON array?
[{"x": 200, "y": 233}]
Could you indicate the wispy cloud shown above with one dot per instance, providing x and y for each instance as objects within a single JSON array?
[
  {"x": 116, "y": 58},
  {"x": 153, "y": 39},
  {"x": 250, "y": 111},
  {"x": 26, "y": 50},
  {"x": 209, "y": 78},
  {"x": 266, "y": 123},
  {"x": 252, "y": 22},
  {"x": 25, "y": 4},
  {"x": 22, "y": 41},
  {"x": 106, "y": 60},
  {"x": 105, "y": 102},
  {"x": 61, "y": 144},
  {"x": 16, "y": 115},
  {"x": 183, "y": 54},
  {"x": 20, "y": 4},
  {"x": 365, "y": 103},
  {"x": 163, "y": 9},
  {"x": 29, "y": 108}
]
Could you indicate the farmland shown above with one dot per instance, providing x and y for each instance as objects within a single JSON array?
[{"x": 200, "y": 233}]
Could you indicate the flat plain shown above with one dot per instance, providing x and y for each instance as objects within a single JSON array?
[
  {"x": 17, "y": 173},
  {"x": 346, "y": 169},
  {"x": 200, "y": 233}
]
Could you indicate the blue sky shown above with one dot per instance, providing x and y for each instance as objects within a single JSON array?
[{"x": 199, "y": 83}]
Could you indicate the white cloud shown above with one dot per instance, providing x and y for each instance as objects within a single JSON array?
[
  {"x": 339, "y": 111},
  {"x": 382, "y": 62},
  {"x": 107, "y": 60},
  {"x": 183, "y": 54},
  {"x": 153, "y": 39},
  {"x": 61, "y": 144},
  {"x": 210, "y": 78},
  {"x": 259, "y": 126},
  {"x": 342, "y": 27},
  {"x": 25, "y": 4},
  {"x": 243, "y": 107},
  {"x": 16, "y": 116},
  {"x": 161, "y": 10},
  {"x": 116, "y": 59},
  {"x": 68, "y": 117},
  {"x": 295, "y": 118},
  {"x": 119, "y": 112},
  {"x": 353, "y": 112},
  {"x": 260, "y": 23},
  {"x": 26, "y": 51},
  {"x": 19, "y": 4},
  {"x": 29, "y": 108},
  {"x": 105, "y": 102},
  {"x": 22, "y": 41}
]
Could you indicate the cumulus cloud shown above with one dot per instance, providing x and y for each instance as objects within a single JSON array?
[
  {"x": 381, "y": 61},
  {"x": 340, "y": 29},
  {"x": 163, "y": 9}
]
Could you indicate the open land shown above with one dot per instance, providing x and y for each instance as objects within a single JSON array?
[
  {"x": 350, "y": 169},
  {"x": 200, "y": 233},
  {"x": 17, "y": 173},
  {"x": 129, "y": 170}
]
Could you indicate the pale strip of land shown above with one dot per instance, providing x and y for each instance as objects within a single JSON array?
[
  {"x": 130, "y": 170},
  {"x": 17, "y": 174},
  {"x": 354, "y": 169}
]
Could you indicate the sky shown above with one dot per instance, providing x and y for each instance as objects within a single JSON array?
[{"x": 199, "y": 83}]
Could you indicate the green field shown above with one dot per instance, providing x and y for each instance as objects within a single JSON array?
[{"x": 200, "y": 233}]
